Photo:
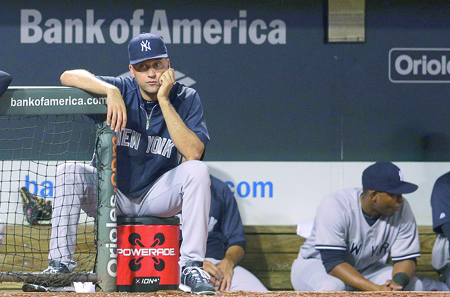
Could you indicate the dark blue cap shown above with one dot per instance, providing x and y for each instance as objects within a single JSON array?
[
  {"x": 386, "y": 177},
  {"x": 146, "y": 46}
]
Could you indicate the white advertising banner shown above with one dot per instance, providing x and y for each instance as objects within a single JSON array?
[
  {"x": 286, "y": 193},
  {"x": 268, "y": 193}
]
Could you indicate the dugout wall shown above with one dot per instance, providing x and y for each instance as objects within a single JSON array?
[
  {"x": 284, "y": 108},
  {"x": 44, "y": 127}
]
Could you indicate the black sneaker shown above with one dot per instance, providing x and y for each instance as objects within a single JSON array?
[
  {"x": 40, "y": 288},
  {"x": 195, "y": 280},
  {"x": 57, "y": 267},
  {"x": 34, "y": 288}
]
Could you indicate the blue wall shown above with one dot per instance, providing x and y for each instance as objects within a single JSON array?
[{"x": 292, "y": 97}]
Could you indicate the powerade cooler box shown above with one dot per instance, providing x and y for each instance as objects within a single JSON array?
[{"x": 148, "y": 250}]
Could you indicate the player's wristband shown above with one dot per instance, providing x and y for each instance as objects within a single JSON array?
[{"x": 401, "y": 278}]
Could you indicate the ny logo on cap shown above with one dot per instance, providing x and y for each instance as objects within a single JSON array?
[
  {"x": 401, "y": 175},
  {"x": 145, "y": 44}
]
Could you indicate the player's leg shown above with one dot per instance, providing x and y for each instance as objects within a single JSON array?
[
  {"x": 75, "y": 189},
  {"x": 186, "y": 188},
  {"x": 242, "y": 280},
  {"x": 380, "y": 272},
  {"x": 310, "y": 275},
  {"x": 433, "y": 285},
  {"x": 440, "y": 258}
]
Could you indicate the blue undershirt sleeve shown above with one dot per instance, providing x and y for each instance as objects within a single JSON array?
[
  {"x": 331, "y": 258},
  {"x": 232, "y": 226}
]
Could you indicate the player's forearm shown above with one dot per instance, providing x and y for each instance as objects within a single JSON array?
[
  {"x": 85, "y": 80},
  {"x": 234, "y": 254},
  {"x": 406, "y": 266},
  {"x": 350, "y": 276},
  {"x": 186, "y": 141}
]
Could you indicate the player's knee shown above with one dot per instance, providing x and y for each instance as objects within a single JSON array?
[
  {"x": 198, "y": 170},
  {"x": 70, "y": 169},
  {"x": 414, "y": 285},
  {"x": 331, "y": 284},
  {"x": 63, "y": 168},
  {"x": 325, "y": 285},
  {"x": 71, "y": 172}
]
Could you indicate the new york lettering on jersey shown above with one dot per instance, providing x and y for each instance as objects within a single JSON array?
[
  {"x": 376, "y": 250},
  {"x": 156, "y": 145}
]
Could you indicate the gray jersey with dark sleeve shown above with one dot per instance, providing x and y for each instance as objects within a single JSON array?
[{"x": 340, "y": 225}]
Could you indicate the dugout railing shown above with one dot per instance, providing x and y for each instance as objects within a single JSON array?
[{"x": 33, "y": 128}]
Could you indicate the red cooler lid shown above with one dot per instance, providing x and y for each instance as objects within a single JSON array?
[{"x": 147, "y": 220}]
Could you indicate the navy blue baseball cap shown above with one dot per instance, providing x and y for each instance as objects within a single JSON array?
[
  {"x": 386, "y": 177},
  {"x": 146, "y": 46}
]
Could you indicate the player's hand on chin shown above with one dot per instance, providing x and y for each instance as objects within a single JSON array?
[{"x": 166, "y": 81}]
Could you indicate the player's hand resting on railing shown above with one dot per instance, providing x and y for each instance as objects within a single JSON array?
[{"x": 117, "y": 115}]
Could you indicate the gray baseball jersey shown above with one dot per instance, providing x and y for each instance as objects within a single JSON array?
[{"x": 340, "y": 225}]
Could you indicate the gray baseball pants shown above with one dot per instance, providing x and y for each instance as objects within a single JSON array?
[
  {"x": 186, "y": 188},
  {"x": 242, "y": 280},
  {"x": 310, "y": 275}
]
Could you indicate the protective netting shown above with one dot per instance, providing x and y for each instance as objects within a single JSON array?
[{"x": 34, "y": 155}]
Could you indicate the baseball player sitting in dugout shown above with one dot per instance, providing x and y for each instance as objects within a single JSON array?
[
  {"x": 440, "y": 206},
  {"x": 161, "y": 137},
  {"x": 354, "y": 232}
]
